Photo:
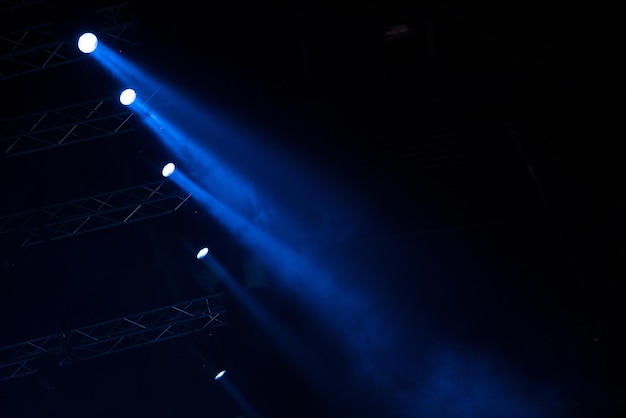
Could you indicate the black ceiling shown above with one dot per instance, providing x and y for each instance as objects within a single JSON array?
[{"x": 479, "y": 148}]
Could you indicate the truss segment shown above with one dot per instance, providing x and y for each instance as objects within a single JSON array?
[
  {"x": 113, "y": 336},
  {"x": 63, "y": 126},
  {"x": 97, "y": 212}
]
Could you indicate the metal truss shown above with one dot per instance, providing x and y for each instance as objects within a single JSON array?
[
  {"x": 113, "y": 336},
  {"x": 63, "y": 126},
  {"x": 10, "y": 5},
  {"x": 38, "y": 47},
  {"x": 94, "y": 213}
]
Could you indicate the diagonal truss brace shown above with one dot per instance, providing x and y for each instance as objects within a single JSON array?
[
  {"x": 38, "y": 47},
  {"x": 63, "y": 126},
  {"x": 113, "y": 336},
  {"x": 96, "y": 213}
]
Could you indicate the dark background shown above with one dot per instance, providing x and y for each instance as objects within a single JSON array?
[{"x": 482, "y": 143}]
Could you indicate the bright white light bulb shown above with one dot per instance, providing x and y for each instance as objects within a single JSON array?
[
  {"x": 168, "y": 169},
  {"x": 202, "y": 253},
  {"x": 87, "y": 43},
  {"x": 220, "y": 375},
  {"x": 127, "y": 97}
]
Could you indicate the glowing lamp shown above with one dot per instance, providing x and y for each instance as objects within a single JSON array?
[
  {"x": 127, "y": 97},
  {"x": 87, "y": 43},
  {"x": 168, "y": 169},
  {"x": 202, "y": 253}
]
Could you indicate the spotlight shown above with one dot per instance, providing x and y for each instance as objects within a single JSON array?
[
  {"x": 87, "y": 43},
  {"x": 127, "y": 97},
  {"x": 220, "y": 375},
  {"x": 168, "y": 169},
  {"x": 202, "y": 253}
]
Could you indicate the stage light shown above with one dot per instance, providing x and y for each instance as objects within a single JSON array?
[
  {"x": 87, "y": 43},
  {"x": 168, "y": 169},
  {"x": 127, "y": 97},
  {"x": 202, "y": 253},
  {"x": 220, "y": 375}
]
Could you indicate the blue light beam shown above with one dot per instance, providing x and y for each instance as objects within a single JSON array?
[
  {"x": 296, "y": 352},
  {"x": 291, "y": 244},
  {"x": 238, "y": 397}
]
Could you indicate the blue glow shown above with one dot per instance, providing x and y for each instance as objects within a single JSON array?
[
  {"x": 220, "y": 375},
  {"x": 240, "y": 399},
  {"x": 128, "y": 73},
  {"x": 445, "y": 385},
  {"x": 290, "y": 347},
  {"x": 212, "y": 173},
  {"x": 369, "y": 334},
  {"x": 286, "y": 261},
  {"x": 299, "y": 229},
  {"x": 464, "y": 383}
]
